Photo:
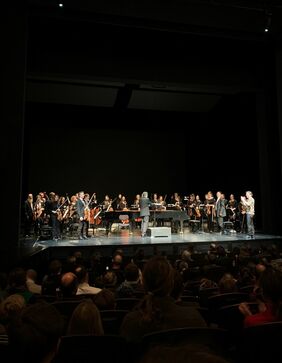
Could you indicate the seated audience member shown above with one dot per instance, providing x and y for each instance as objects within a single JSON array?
[
  {"x": 105, "y": 300},
  {"x": 35, "y": 336},
  {"x": 227, "y": 284},
  {"x": 51, "y": 281},
  {"x": 85, "y": 320},
  {"x": 270, "y": 307},
  {"x": 83, "y": 286},
  {"x": 10, "y": 309},
  {"x": 132, "y": 283},
  {"x": 17, "y": 284},
  {"x": 31, "y": 277},
  {"x": 158, "y": 310},
  {"x": 68, "y": 285}
]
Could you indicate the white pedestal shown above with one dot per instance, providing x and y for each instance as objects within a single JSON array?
[{"x": 159, "y": 232}]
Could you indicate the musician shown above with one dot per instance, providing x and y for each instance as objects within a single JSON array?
[
  {"x": 137, "y": 201},
  {"x": 144, "y": 212},
  {"x": 232, "y": 209},
  {"x": 106, "y": 203},
  {"x": 123, "y": 203},
  {"x": 80, "y": 209},
  {"x": 191, "y": 205},
  {"x": 29, "y": 216},
  {"x": 199, "y": 206},
  {"x": 38, "y": 212},
  {"x": 118, "y": 201},
  {"x": 220, "y": 211},
  {"x": 209, "y": 206},
  {"x": 155, "y": 198},
  {"x": 54, "y": 211},
  {"x": 249, "y": 202},
  {"x": 176, "y": 200},
  {"x": 162, "y": 203}
]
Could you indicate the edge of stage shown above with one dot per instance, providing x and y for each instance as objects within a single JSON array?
[{"x": 130, "y": 242}]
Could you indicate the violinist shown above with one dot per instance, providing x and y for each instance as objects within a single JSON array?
[
  {"x": 38, "y": 211},
  {"x": 80, "y": 209},
  {"x": 209, "y": 209},
  {"x": 191, "y": 205}
]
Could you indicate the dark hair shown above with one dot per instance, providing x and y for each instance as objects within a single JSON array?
[
  {"x": 158, "y": 280},
  {"x": 85, "y": 320},
  {"x": 36, "y": 333},
  {"x": 131, "y": 272},
  {"x": 271, "y": 284}
]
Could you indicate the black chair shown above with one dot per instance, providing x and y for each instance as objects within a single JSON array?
[
  {"x": 66, "y": 308},
  {"x": 231, "y": 319},
  {"x": 213, "y": 338},
  {"x": 247, "y": 289},
  {"x": 205, "y": 293},
  {"x": 262, "y": 343},
  {"x": 112, "y": 320},
  {"x": 215, "y": 302},
  {"x": 190, "y": 298},
  {"x": 5, "y": 355},
  {"x": 90, "y": 348},
  {"x": 126, "y": 303}
]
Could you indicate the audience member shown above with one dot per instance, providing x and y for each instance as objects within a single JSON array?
[
  {"x": 85, "y": 320},
  {"x": 158, "y": 311}
]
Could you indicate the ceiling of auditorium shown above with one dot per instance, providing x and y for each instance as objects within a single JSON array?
[
  {"x": 243, "y": 20},
  {"x": 231, "y": 18}
]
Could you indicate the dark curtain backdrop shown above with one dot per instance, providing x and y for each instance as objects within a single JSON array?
[{"x": 72, "y": 148}]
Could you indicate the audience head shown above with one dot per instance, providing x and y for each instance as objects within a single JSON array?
[
  {"x": 11, "y": 307},
  {"x": 34, "y": 337},
  {"x": 227, "y": 284},
  {"x": 31, "y": 274},
  {"x": 270, "y": 283},
  {"x": 131, "y": 272},
  {"x": 158, "y": 277},
  {"x": 69, "y": 284},
  {"x": 105, "y": 300},
  {"x": 85, "y": 320}
]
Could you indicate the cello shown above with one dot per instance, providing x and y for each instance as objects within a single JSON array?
[{"x": 87, "y": 209}]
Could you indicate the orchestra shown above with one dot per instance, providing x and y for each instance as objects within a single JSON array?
[{"x": 61, "y": 213}]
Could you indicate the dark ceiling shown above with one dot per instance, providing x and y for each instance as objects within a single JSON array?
[
  {"x": 226, "y": 18},
  {"x": 185, "y": 55}
]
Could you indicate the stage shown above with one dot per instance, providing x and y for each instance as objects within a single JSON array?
[{"x": 132, "y": 241}]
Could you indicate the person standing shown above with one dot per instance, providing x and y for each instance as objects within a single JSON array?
[
  {"x": 29, "y": 215},
  {"x": 144, "y": 212},
  {"x": 249, "y": 203},
  {"x": 220, "y": 211},
  {"x": 80, "y": 208}
]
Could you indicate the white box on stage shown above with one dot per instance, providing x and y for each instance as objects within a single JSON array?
[{"x": 159, "y": 232}]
